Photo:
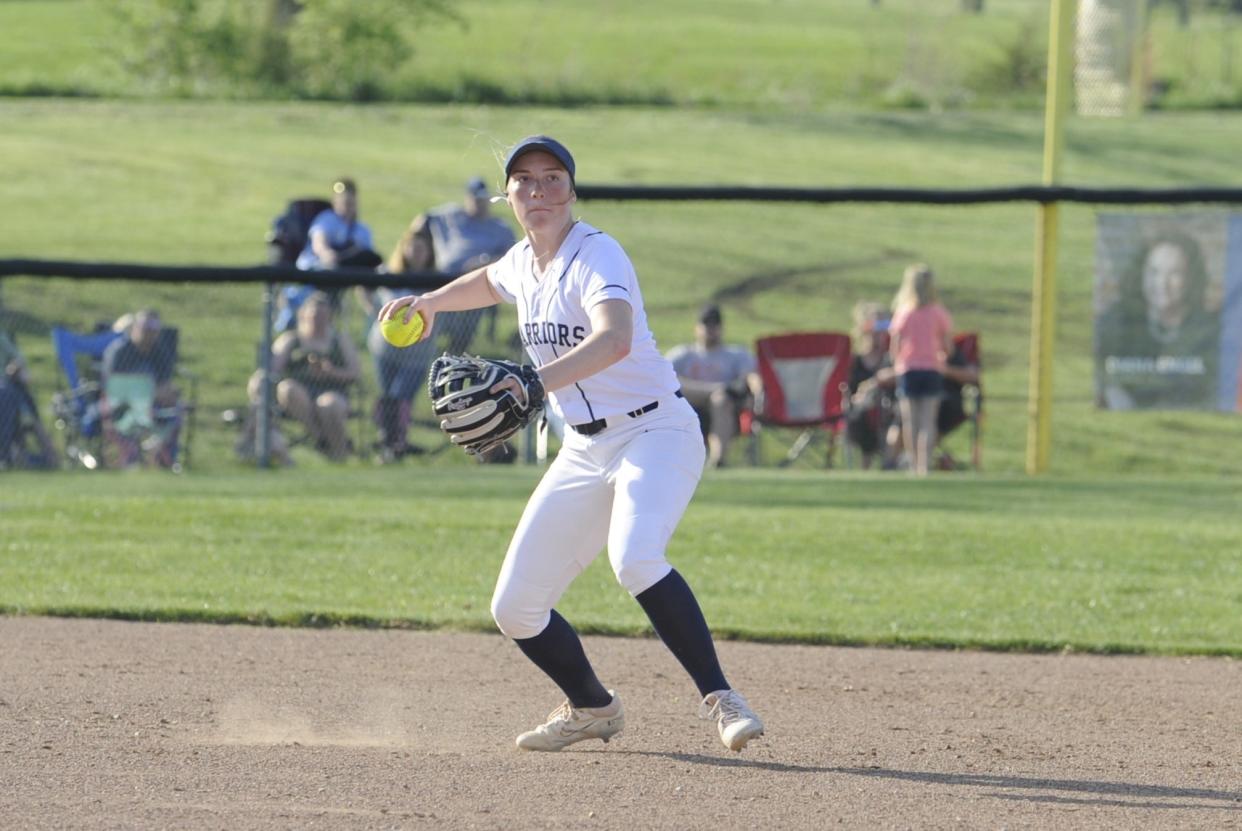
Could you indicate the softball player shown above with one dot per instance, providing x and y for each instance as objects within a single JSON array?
[{"x": 630, "y": 460}]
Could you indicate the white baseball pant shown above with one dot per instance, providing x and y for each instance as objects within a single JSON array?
[{"x": 625, "y": 488}]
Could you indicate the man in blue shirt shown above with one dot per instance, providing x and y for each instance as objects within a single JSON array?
[{"x": 335, "y": 239}]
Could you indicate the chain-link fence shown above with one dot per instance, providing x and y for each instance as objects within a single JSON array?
[
  {"x": 1109, "y": 72},
  {"x": 1132, "y": 55},
  {"x": 126, "y": 373},
  {"x": 816, "y": 264}
]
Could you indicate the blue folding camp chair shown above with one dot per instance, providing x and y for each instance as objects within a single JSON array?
[
  {"x": 76, "y": 409},
  {"x": 114, "y": 422}
]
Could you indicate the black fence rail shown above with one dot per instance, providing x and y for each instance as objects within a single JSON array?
[
  {"x": 271, "y": 276},
  {"x": 1040, "y": 194}
]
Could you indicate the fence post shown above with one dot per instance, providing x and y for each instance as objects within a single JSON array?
[
  {"x": 262, "y": 439},
  {"x": 1044, "y": 290}
]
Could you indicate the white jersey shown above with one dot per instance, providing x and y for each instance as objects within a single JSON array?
[{"x": 554, "y": 317}]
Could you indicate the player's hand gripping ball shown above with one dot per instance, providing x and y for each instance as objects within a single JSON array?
[{"x": 399, "y": 333}]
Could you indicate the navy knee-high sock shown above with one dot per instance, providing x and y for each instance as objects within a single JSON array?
[
  {"x": 678, "y": 620},
  {"x": 558, "y": 652}
]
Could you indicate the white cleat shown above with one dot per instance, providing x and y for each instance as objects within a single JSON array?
[
  {"x": 568, "y": 724},
  {"x": 737, "y": 723}
]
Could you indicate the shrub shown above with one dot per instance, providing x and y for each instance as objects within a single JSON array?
[
  {"x": 1019, "y": 64},
  {"x": 317, "y": 48}
]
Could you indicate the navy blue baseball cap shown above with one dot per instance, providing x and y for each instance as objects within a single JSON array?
[{"x": 548, "y": 145}]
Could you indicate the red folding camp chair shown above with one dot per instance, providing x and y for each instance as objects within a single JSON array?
[
  {"x": 804, "y": 388},
  {"x": 963, "y": 400}
]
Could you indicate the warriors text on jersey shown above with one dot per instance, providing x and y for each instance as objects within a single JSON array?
[{"x": 554, "y": 316}]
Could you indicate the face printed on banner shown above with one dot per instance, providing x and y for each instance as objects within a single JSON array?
[{"x": 1165, "y": 283}]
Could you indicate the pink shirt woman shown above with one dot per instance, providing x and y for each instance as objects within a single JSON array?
[
  {"x": 921, "y": 337},
  {"x": 922, "y": 340}
]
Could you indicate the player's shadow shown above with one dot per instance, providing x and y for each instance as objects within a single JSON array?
[{"x": 1095, "y": 789}]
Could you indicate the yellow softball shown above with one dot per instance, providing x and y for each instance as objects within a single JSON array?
[{"x": 399, "y": 333}]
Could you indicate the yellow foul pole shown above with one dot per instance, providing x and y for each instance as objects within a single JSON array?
[{"x": 1043, "y": 301}]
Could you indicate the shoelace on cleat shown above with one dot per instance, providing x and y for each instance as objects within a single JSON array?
[
  {"x": 563, "y": 713},
  {"x": 727, "y": 708}
]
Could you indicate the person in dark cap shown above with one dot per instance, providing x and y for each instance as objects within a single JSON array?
[
  {"x": 628, "y": 464},
  {"x": 718, "y": 380},
  {"x": 464, "y": 236}
]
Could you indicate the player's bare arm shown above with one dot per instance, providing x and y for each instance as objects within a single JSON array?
[
  {"x": 471, "y": 290},
  {"x": 612, "y": 324},
  {"x": 612, "y": 335}
]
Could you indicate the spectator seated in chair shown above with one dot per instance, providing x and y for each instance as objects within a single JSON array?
[
  {"x": 959, "y": 372},
  {"x": 10, "y": 418},
  {"x": 141, "y": 405},
  {"x": 871, "y": 384},
  {"x": 337, "y": 238},
  {"x": 314, "y": 366},
  {"x": 718, "y": 380},
  {"x": 19, "y": 415}
]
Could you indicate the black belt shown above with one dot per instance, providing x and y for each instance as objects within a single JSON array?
[{"x": 599, "y": 424}]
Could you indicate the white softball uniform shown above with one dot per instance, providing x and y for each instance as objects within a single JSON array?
[{"x": 632, "y": 453}]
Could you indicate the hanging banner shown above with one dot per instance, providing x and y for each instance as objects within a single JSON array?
[{"x": 1168, "y": 312}]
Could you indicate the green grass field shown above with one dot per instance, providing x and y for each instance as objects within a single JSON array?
[
  {"x": 200, "y": 182},
  {"x": 797, "y": 54},
  {"x": 1132, "y": 544},
  {"x": 1104, "y": 564}
]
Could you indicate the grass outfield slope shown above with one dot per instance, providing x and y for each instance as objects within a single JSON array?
[
  {"x": 1100, "y": 564},
  {"x": 796, "y": 55},
  {"x": 1131, "y": 545},
  {"x": 199, "y": 183}
]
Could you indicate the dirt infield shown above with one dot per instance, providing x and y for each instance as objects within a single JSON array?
[{"x": 126, "y": 725}]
